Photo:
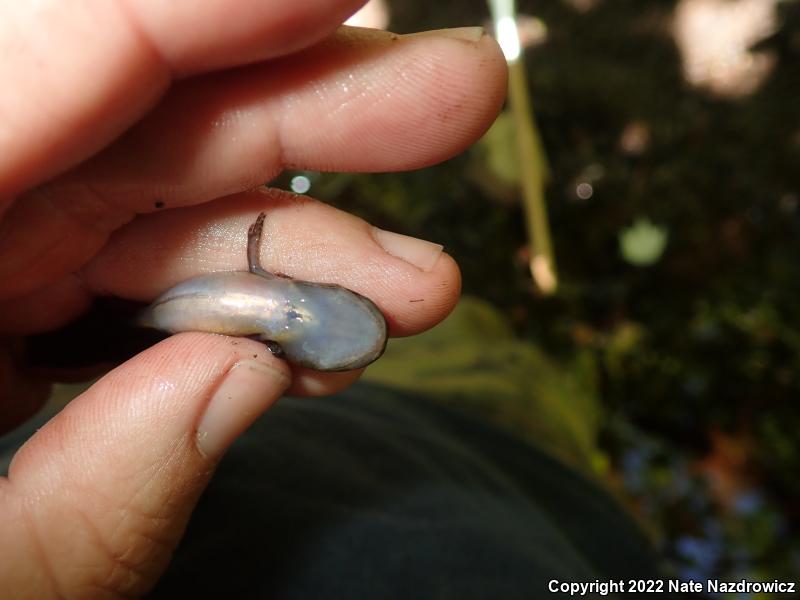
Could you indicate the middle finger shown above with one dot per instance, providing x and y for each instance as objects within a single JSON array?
[
  {"x": 361, "y": 101},
  {"x": 413, "y": 283}
]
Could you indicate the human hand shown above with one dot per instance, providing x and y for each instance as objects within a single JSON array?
[{"x": 129, "y": 132}]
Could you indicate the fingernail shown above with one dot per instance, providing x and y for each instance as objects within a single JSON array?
[
  {"x": 466, "y": 34},
  {"x": 249, "y": 388},
  {"x": 420, "y": 253}
]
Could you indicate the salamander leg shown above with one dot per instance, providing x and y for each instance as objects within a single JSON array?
[
  {"x": 254, "y": 247},
  {"x": 275, "y": 348}
]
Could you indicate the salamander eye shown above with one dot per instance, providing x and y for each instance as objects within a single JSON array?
[{"x": 293, "y": 315}]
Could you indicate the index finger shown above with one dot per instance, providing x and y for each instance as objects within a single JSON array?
[{"x": 80, "y": 73}]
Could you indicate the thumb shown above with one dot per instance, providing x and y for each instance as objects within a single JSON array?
[{"x": 97, "y": 500}]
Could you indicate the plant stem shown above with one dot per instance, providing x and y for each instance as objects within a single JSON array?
[{"x": 533, "y": 174}]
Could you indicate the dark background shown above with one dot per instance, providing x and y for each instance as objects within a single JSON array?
[{"x": 690, "y": 362}]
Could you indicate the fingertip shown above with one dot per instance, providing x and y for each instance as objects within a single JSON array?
[
  {"x": 148, "y": 408},
  {"x": 438, "y": 108},
  {"x": 421, "y": 253},
  {"x": 129, "y": 448},
  {"x": 425, "y": 306},
  {"x": 247, "y": 390},
  {"x": 306, "y": 382}
]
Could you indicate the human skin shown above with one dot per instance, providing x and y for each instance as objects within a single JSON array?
[{"x": 130, "y": 132}]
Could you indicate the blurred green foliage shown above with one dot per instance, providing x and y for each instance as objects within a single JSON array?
[
  {"x": 474, "y": 361},
  {"x": 642, "y": 243}
]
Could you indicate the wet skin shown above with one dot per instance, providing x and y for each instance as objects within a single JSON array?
[{"x": 320, "y": 326}]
